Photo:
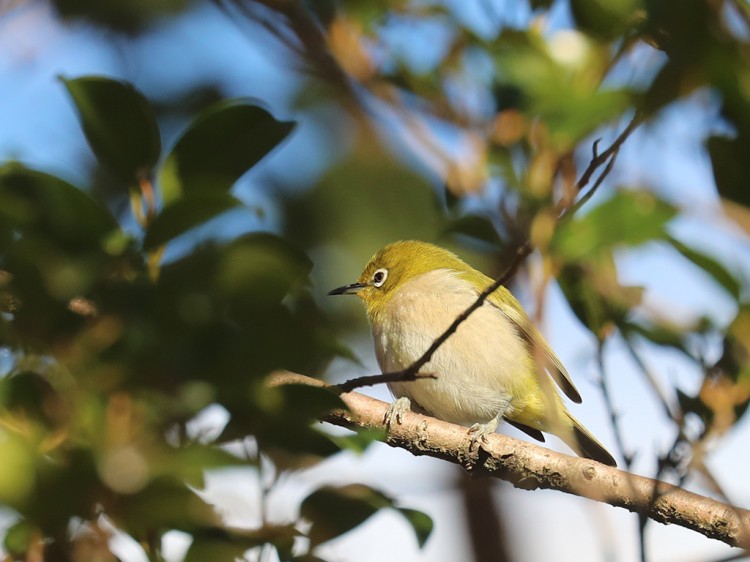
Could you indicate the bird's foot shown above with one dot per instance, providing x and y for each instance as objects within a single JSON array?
[
  {"x": 396, "y": 411},
  {"x": 480, "y": 431}
]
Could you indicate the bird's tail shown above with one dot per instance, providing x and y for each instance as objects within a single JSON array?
[{"x": 586, "y": 445}]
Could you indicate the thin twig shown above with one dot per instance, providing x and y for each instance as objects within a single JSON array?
[
  {"x": 651, "y": 380},
  {"x": 598, "y": 159},
  {"x": 613, "y": 415}
]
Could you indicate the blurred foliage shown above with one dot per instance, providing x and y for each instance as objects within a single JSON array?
[{"x": 113, "y": 349}]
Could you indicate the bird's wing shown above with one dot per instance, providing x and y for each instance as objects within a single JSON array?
[
  {"x": 530, "y": 431},
  {"x": 504, "y": 300}
]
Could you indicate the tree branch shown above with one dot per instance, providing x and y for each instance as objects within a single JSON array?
[{"x": 532, "y": 467}]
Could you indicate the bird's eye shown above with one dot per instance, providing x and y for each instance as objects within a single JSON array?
[{"x": 379, "y": 277}]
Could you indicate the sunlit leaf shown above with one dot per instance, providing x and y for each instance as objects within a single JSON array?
[
  {"x": 18, "y": 538},
  {"x": 628, "y": 218},
  {"x": 119, "y": 124},
  {"x": 559, "y": 80},
  {"x": 223, "y": 143}
]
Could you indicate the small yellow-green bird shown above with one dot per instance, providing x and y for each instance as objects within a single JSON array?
[{"x": 495, "y": 366}]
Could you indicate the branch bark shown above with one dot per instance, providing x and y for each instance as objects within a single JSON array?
[{"x": 532, "y": 467}]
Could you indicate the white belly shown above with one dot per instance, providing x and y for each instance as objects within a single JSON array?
[{"x": 482, "y": 366}]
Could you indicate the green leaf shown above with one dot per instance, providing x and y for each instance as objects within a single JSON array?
[
  {"x": 335, "y": 511},
  {"x": 420, "y": 522},
  {"x": 712, "y": 267},
  {"x": 130, "y": 16},
  {"x": 228, "y": 544},
  {"x": 165, "y": 503},
  {"x": 186, "y": 213},
  {"x": 43, "y": 206},
  {"x": 629, "y": 218},
  {"x": 300, "y": 401},
  {"x": 730, "y": 167},
  {"x": 606, "y": 19},
  {"x": 261, "y": 267},
  {"x": 477, "y": 227},
  {"x": 223, "y": 143},
  {"x": 119, "y": 125},
  {"x": 18, "y": 538},
  {"x": 595, "y": 294},
  {"x": 564, "y": 93},
  {"x": 656, "y": 333}
]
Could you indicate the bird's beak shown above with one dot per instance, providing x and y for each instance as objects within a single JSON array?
[{"x": 348, "y": 289}]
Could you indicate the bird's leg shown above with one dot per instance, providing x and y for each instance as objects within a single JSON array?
[
  {"x": 480, "y": 431},
  {"x": 396, "y": 410}
]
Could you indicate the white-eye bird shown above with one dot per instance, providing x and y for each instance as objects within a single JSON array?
[{"x": 495, "y": 366}]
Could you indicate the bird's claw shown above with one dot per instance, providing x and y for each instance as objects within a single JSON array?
[
  {"x": 479, "y": 433},
  {"x": 396, "y": 411}
]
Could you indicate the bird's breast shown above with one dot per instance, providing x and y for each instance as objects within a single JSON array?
[{"x": 479, "y": 367}]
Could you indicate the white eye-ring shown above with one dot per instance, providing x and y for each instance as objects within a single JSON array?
[{"x": 379, "y": 277}]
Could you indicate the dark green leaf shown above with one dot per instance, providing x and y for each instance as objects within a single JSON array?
[
  {"x": 595, "y": 295},
  {"x": 130, "y": 16},
  {"x": 605, "y": 18},
  {"x": 656, "y": 333},
  {"x": 420, "y": 522},
  {"x": 43, "y": 206},
  {"x": 307, "y": 558},
  {"x": 165, "y": 503},
  {"x": 729, "y": 161},
  {"x": 186, "y": 213},
  {"x": 712, "y": 267},
  {"x": 335, "y": 511},
  {"x": 301, "y": 401},
  {"x": 261, "y": 267},
  {"x": 29, "y": 395},
  {"x": 629, "y": 218},
  {"x": 223, "y": 143},
  {"x": 228, "y": 544},
  {"x": 695, "y": 405},
  {"x": 295, "y": 445},
  {"x": 477, "y": 227},
  {"x": 119, "y": 124}
]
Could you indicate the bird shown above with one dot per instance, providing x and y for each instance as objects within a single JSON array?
[{"x": 495, "y": 366}]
